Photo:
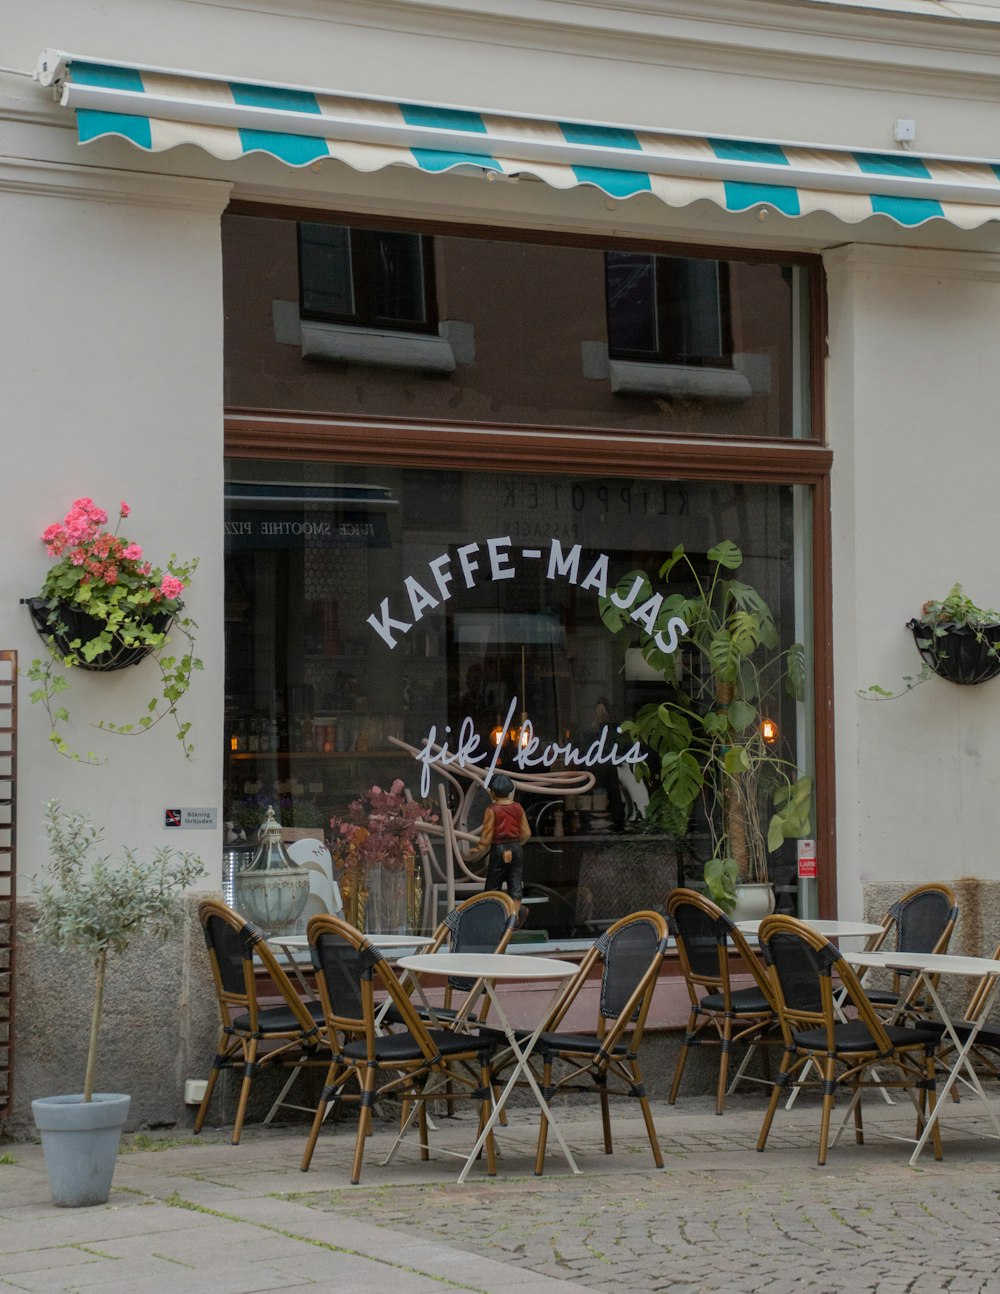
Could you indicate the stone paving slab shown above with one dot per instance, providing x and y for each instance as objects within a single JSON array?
[{"x": 201, "y": 1214}]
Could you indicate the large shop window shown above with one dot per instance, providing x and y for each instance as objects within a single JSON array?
[{"x": 372, "y": 606}]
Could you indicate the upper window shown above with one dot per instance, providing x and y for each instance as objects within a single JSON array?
[
  {"x": 668, "y": 309},
  {"x": 370, "y": 277}
]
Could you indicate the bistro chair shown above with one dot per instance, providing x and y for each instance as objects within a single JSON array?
[
  {"x": 720, "y": 1015},
  {"x": 482, "y": 924},
  {"x": 253, "y": 1035},
  {"x": 921, "y": 921},
  {"x": 802, "y": 966},
  {"x": 606, "y": 1061},
  {"x": 399, "y": 1064}
]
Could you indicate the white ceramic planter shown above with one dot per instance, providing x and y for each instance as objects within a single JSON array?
[
  {"x": 80, "y": 1140},
  {"x": 753, "y": 902}
]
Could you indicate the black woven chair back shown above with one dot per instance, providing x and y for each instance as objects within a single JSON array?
[
  {"x": 800, "y": 969},
  {"x": 477, "y": 927},
  {"x": 628, "y": 954},
  {"x": 344, "y": 967},
  {"x": 701, "y": 934},
  {"x": 232, "y": 948},
  {"x": 921, "y": 920}
]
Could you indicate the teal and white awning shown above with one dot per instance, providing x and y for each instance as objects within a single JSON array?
[{"x": 158, "y": 109}]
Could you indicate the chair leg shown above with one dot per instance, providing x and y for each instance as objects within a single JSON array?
[
  {"x": 787, "y": 1058},
  {"x": 326, "y": 1099},
  {"x": 647, "y": 1114},
  {"x": 364, "y": 1122},
  {"x": 543, "y": 1126},
  {"x": 485, "y": 1110},
  {"x": 682, "y": 1059},
  {"x": 602, "y": 1083},
  {"x": 213, "y": 1078},
  {"x": 725, "y": 1046},
  {"x": 249, "y": 1070},
  {"x": 829, "y": 1087}
]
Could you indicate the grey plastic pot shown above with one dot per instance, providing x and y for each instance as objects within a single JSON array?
[{"x": 80, "y": 1140}]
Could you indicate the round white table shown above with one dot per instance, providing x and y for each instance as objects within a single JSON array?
[
  {"x": 490, "y": 967},
  {"x": 300, "y": 942},
  {"x": 929, "y": 966},
  {"x": 829, "y": 929}
]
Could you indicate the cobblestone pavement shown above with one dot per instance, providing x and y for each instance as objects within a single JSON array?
[
  {"x": 196, "y": 1214},
  {"x": 721, "y": 1216}
]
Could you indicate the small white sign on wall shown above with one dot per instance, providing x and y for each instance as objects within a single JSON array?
[{"x": 191, "y": 819}]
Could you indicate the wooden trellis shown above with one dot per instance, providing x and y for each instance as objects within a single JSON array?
[{"x": 8, "y": 867}]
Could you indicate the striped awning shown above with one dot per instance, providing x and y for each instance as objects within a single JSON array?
[{"x": 158, "y": 109}]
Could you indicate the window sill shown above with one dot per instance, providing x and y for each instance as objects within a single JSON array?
[
  {"x": 635, "y": 378},
  {"x": 381, "y": 348}
]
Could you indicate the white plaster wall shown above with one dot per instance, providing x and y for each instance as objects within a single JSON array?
[
  {"x": 748, "y": 67},
  {"x": 111, "y": 387},
  {"x": 914, "y": 394}
]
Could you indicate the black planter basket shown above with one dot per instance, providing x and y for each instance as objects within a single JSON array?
[
  {"x": 66, "y": 624},
  {"x": 959, "y": 655}
]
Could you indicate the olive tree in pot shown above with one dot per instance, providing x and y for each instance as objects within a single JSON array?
[
  {"x": 96, "y": 906},
  {"x": 715, "y": 643}
]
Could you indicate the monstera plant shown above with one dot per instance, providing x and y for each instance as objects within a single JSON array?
[{"x": 712, "y": 739}]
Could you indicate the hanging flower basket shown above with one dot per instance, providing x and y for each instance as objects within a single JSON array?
[
  {"x": 65, "y": 625},
  {"x": 964, "y": 654},
  {"x": 103, "y": 606}
]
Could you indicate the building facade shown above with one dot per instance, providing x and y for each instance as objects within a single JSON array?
[{"x": 425, "y": 327}]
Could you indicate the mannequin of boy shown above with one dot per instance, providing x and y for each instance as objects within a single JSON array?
[{"x": 504, "y": 832}]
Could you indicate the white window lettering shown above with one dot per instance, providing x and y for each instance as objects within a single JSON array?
[
  {"x": 500, "y": 567},
  {"x": 383, "y": 624},
  {"x": 647, "y": 613},
  {"x": 420, "y": 599},
  {"x": 469, "y": 567},
  {"x": 624, "y": 603},
  {"x": 598, "y": 576},
  {"x": 442, "y": 576},
  {"x": 568, "y": 565},
  {"x": 675, "y": 627}
]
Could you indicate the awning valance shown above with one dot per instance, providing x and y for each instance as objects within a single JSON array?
[{"x": 158, "y": 109}]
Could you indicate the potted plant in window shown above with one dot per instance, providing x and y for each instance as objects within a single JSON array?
[
  {"x": 957, "y": 640},
  {"x": 97, "y": 907},
  {"x": 104, "y": 607},
  {"x": 712, "y": 738},
  {"x": 374, "y": 850}
]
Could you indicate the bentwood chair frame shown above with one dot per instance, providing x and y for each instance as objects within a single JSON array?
[
  {"x": 922, "y": 921},
  {"x": 252, "y": 1035},
  {"x": 802, "y": 966},
  {"x": 720, "y": 1014},
  {"x": 400, "y": 1064},
  {"x": 607, "y": 1061},
  {"x": 484, "y": 923}
]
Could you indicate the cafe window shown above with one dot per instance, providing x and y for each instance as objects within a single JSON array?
[
  {"x": 366, "y": 277},
  {"x": 373, "y": 611},
  {"x": 668, "y": 309}
]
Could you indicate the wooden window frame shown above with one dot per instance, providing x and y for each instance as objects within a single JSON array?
[
  {"x": 364, "y": 273},
  {"x": 664, "y": 294}
]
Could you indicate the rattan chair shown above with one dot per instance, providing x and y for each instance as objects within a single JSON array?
[
  {"x": 720, "y": 1014},
  {"x": 400, "y": 1064},
  {"x": 482, "y": 924},
  {"x": 253, "y": 1034},
  {"x": 605, "y": 1062},
  {"x": 921, "y": 921},
  {"x": 801, "y": 967}
]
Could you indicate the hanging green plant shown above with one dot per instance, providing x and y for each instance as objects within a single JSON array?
[
  {"x": 956, "y": 639},
  {"x": 104, "y": 607}
]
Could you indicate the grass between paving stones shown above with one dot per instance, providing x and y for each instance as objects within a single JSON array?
[
  {"x": 175, "y": 1201},
  {"x": 141, "y": 1141}
]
